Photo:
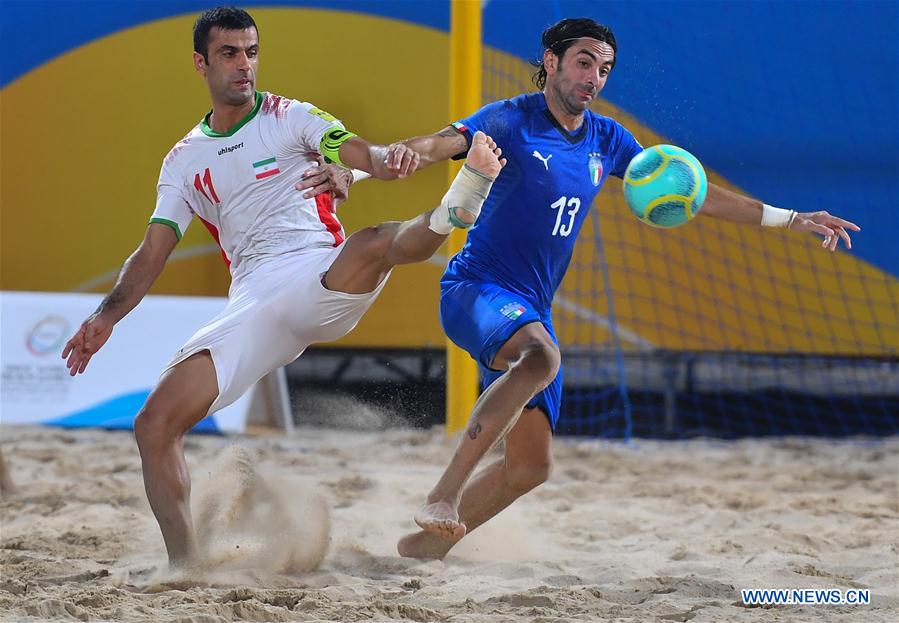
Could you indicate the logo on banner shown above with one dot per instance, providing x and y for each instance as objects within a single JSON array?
[{"x": 47, "y": 336}]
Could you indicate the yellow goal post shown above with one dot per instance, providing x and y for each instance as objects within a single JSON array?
[{"x": 465, "y": 98}]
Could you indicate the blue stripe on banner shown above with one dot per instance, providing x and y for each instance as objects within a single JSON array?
[
  {"x": 63, "y": 25},
  {"x": 118, "y": 414}
]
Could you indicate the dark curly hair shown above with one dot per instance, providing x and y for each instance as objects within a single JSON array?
[
  {"x": 226, "y": 18},
  {"x": 560, "y": 36}
]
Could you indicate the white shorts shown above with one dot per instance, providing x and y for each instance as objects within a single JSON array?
[{"x": 271, "y": 317}]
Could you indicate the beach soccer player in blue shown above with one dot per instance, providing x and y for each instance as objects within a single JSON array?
[{"x": 497, "y": 293}]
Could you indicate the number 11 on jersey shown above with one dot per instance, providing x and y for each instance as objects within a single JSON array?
[
  {"x": 574, "y": 204},
  {"x": 207, "y": 182}
]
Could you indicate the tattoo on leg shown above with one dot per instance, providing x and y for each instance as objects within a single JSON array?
[{"x": 473, "y": 430}]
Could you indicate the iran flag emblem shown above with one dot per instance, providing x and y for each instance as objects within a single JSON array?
[{"x": 266, "y": 168}]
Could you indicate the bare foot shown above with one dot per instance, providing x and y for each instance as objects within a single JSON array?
[
  {"x": 483, "y": 164},
  {"x": 442, "y": 519},
  {"x": 424, "y": 545},
  {"x": 484, "y": 155}
]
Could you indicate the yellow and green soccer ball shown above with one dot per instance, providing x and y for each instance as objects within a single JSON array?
[{"x": 665, "y": 186}]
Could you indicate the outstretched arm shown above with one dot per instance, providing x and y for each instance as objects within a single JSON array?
[
  {"x": 730, "y": 206},
  {"x": 436, "y": 147},
  {"x": 357, "y": 153},
  {"x": 138, "y": 273},
  {"x": 401, "y": 159}
]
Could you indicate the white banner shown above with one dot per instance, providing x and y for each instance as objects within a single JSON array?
[{"x": 35, "y": 386}]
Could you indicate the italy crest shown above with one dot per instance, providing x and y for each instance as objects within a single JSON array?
[{"x": 595, "y": 163}]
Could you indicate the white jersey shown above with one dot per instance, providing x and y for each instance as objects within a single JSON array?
[{"x": 241, "y": 184}]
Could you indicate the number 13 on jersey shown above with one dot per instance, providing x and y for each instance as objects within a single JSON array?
[{"x": 573, "y": 204}]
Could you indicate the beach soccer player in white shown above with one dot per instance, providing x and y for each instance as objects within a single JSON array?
[{"x": 295, "y": 279}]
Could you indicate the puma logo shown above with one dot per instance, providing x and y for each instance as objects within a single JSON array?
[{"x": 545, "y": 161}]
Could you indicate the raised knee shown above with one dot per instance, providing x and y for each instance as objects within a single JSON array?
[
  {"x": 376, "y": 241},
  {"x": 541, "y": 359},
  {"x": 523, "y": 478}
]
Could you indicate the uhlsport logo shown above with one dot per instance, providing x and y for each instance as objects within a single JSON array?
[
  {"x": 47, "y": 336},
  {"x": 228, "y": 150},
  {"x": 595, "y": 164},
  {"x": 512, "y": 310}
]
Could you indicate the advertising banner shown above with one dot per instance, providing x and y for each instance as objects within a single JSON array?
[{"x": 35, "y": 386}]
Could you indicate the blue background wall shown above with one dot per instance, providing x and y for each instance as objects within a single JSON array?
[{"x": 796, "y": 102}]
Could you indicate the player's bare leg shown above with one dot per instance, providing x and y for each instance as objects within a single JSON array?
[
  {"x": 369, "y": 254},
  {"x": 531, "y": 360},
  {"x": 181, "y": 399},
  {"x": 526, "y": 463}
]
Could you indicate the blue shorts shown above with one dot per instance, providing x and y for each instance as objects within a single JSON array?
[{"x": 480, "y": 317}]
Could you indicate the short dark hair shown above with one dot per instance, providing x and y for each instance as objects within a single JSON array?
[
  {"x": 560, "y": 36},
  {"x": 226, "y": 18}
]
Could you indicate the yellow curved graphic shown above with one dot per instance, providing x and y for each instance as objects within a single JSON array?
[
  {"x": 654, "y": 174},
  {"x": 655, "y": 203},
  {"x": 84, "y": 136}
]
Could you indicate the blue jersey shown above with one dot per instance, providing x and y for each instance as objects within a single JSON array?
[{"x": 524, "y": 238}]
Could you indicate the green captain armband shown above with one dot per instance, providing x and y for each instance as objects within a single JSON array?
[
  {"x": 318, "y": 112},
  {"x": 330, "y": 145}
]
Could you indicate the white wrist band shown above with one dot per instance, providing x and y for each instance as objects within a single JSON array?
[
  {"x": 777, "y": 217},
  {"x": 360, "y": 175}
]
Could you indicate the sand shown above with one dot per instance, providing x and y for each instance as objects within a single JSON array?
[{"x": 303, "y": 528}]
